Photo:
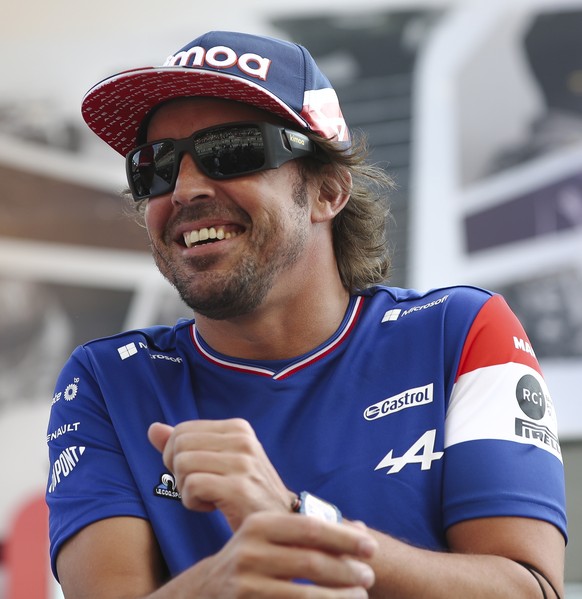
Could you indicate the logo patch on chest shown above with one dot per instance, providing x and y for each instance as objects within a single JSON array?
[
  {"x": 411, "y": 398},
  {"x": 167, "y": 487}
]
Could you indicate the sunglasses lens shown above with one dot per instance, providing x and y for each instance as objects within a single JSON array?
[
  {"x": 152, "y": 169},
  {"x": 221, "y": 152},
  {"x": 231, "y": 151}
]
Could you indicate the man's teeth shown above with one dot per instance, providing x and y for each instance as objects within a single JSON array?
[{"x": 192, "y": 237}]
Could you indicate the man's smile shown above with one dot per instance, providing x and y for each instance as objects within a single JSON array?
[{"x": 209, "y": 235}]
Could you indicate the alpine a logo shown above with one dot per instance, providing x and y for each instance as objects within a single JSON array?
[
  {"x": 167, "y": 487},
  {"x": 411, "y": 398},
  {"x": 221, "y": 57}
]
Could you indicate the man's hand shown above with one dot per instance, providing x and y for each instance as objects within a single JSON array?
[
  {"x": 271, "y": 552},
  {"x": 268, "y": 557},
  {"x": 220, "y": 464}
]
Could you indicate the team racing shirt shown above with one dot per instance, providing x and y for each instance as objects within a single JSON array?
[{"x": 423, "y": 410}]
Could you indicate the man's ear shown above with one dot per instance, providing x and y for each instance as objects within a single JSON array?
[{"x": 333, "y": 194}]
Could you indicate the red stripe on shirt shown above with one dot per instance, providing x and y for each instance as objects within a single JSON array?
[{"x": 496, "y": 337}]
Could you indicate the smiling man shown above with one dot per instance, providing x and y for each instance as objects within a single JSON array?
[
  {"x": 311, "y": 432},
  {"x": 225, "y": 251}
]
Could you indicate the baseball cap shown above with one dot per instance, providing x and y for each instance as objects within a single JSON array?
[{"x": 278, "y": 76}]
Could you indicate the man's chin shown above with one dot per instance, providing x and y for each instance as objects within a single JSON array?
[{"x": 219, "y": 300}]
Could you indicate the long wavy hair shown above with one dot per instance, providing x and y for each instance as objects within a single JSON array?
[{"x": 360, "y": 230}]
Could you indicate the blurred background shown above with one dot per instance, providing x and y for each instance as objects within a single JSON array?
[{"x": 474, "y": 107}]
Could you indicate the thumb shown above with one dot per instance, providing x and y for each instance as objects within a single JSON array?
[{"x": 158, "y": 435}]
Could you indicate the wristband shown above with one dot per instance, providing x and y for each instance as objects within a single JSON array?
[
  {"x": 533, "y": 571},
  {"x": 310, "y": 505}
]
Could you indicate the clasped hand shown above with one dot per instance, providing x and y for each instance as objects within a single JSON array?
[{"x": 222, "y": 465}]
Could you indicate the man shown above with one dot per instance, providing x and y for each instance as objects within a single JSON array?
[{"x": 414, "y": 429}]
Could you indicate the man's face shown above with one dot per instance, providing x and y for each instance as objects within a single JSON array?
[{"x": 260, "y": 222}]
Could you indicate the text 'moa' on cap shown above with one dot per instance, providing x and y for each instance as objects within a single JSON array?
[{"x": 277, "y": 76}]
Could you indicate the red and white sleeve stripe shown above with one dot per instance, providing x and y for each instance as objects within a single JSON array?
[{"x": 496, "y": 371}]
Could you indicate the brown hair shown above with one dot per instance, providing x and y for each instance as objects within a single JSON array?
[{"x": 360, "y": 232}]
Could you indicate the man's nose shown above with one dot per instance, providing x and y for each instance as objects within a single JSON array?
[{"x": 191, "y": 183}]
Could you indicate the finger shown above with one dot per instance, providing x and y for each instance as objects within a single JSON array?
[
  {"x": 206, "y": 492},
  {"x": 320, "y": 568},
  {"x": 158, "y": 435},
  {"x": 357, "y": 523},
  {"x": 230, "y": 491},
  {"x": 200, "y": 489},
  {"x": 230, "y": 425},
  {"x": 303, "y": 531},
  {"x": 235, "y": 434},
  {"x": 186, "y": 462},
  {"x": 265, "y": 588},
  {"x": 217, "y": 443},
  {"x": 204, "y": 477},
  {"x": 220, "y": 490},
  {"x": 233, "y": 441}
]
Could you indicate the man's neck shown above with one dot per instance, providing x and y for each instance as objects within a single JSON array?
[{"x": 279, "y": 330}]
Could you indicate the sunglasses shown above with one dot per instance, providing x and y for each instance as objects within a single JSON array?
[{"x": 222, "y": 152}]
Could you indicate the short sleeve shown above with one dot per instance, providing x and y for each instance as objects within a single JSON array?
[
  {"x": 89, "y": 478},
  {"x": 502, "y": 453}
]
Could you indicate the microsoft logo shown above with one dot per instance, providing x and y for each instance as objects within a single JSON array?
[
  {"x": 127, "y": 351},
  {"x": 391, "y": 315}
]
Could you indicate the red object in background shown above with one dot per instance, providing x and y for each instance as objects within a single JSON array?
[{"x": 26, "y": 553}]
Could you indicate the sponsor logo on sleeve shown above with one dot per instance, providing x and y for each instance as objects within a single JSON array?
[
  {"x": 536, "y": 404},
  {"x": 71, "y": 391},
  {"x": 69, "y": 394},
  {"x": 530, "y": 397},
  {"x": 537, "y": 432},
  {"x": 524, "y": 346},
  {"x": 65, "y": 464},
  {"x": 62, "y": 430}
]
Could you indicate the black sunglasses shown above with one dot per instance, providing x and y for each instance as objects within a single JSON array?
[{"x": 221, "y": 152}]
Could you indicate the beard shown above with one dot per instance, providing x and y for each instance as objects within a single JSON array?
[{"x": 242, "y": 289}]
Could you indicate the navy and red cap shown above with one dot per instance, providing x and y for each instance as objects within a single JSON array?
[{"x": 275, "y": 75}]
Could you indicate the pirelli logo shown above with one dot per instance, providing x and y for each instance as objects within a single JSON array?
[{"x": 537, "y": 432}]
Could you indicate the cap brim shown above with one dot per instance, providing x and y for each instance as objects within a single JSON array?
[{"x": 115, "y": 108}]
